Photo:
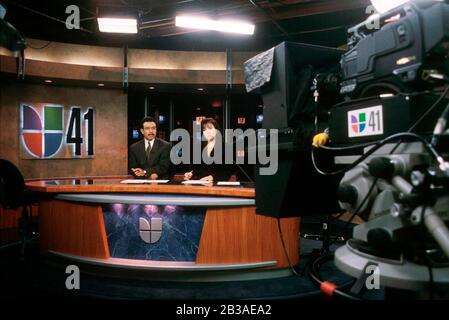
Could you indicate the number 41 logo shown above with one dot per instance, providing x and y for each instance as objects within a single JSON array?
[{"x": 74, "y": 131}]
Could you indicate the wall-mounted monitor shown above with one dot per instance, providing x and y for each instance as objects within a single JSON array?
[{"x": 241, "y": 120}]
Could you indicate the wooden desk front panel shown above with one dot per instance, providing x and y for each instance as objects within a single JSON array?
[
  {"x": 229, "y": 235},
  {"x": 72, "y": 228},
  {"x": 238, "y": 235}
]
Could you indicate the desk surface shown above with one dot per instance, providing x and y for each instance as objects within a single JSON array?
[{"x": 95, "y": 185}]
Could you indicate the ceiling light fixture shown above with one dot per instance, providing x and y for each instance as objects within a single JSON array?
[
  {"x": 117, "y": 25},
  {"x": 48, "y": 81},
  {"x": 204, "y": 23},
  {"x": 383, "y": 6}
]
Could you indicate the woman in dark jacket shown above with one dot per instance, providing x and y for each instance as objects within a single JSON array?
[{"x": 208, "y": 170}]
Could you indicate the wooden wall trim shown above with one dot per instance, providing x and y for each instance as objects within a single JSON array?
[
  {"x": 67, "y": 61},
  {"x": 9, "y": 217}
]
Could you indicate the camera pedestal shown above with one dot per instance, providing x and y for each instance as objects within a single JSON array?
[{"x": 400, "y": 274}]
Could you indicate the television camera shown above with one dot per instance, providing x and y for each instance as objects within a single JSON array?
[{"x": 376, "y": 115}]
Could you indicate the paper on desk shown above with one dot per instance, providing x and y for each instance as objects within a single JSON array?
[
  {"x": 228, "y": 183},
  {"x": 141, "y": 181},
  {"x": 195, "y": 182}
]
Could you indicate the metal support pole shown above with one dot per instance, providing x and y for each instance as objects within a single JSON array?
[
  {"x": 21, "y": 65},
  {"x": 227, "y": 106},
  {"x": 125, "y": 69}
]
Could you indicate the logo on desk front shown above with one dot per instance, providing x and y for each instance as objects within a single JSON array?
[{"x": 150, "y": 231}]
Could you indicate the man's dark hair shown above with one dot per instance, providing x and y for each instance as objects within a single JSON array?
[{"x": 147, "y": 119}]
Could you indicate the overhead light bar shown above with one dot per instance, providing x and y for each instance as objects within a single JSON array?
[
  {"x": 204, "y": 23},
  {"x": 383, "y": 6},
  {"x": 117, "y": 25}
]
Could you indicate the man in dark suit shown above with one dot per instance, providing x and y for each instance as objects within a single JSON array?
[{"x": 150, "y": 157}]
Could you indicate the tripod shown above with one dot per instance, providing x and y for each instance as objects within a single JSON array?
[{"x": 324, "y": 236}]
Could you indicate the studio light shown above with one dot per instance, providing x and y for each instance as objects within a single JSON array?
[
  {"x": 117, "y": 25},
  {"x": 205, "y": 23},
  {"x": 382, "y": 6}
]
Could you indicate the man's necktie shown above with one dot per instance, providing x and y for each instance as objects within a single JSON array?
[{"x": 147, "y": 152}]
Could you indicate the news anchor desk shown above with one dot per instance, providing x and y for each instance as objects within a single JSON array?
[{"x": 172, "y": 230}]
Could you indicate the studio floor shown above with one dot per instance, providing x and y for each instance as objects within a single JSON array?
[{"x": 35, "y": 276}]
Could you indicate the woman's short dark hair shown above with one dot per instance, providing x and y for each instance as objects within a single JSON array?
[
  {"x": 147, "y": 119},
  {"x": 211, "y": 121}
]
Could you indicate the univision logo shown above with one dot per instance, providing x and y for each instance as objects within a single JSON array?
[
  {"x": 41, "y": 129},
  {"x": 150, "y": 231},
  {"x": 358, "y": 125},
  {"x": 365, "y": 122}
]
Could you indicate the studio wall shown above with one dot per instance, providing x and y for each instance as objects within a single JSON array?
[{"x": 110, "y": 129}]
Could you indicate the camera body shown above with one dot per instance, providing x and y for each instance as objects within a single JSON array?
[
  {"x": 385, "y": 69},
  {"x": 404, "y": 47},
  {"x": 383, "y": 85},
  {"x": 387, "y": 78}
]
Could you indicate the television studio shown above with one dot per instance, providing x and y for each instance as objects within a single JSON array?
[{"x": 229, "y": 150}]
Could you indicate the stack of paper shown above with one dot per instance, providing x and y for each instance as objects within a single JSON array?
[
  {"x": 228, "y": 183},
  {"x": 201, "y": 182},
  {"x": 141, "y": 181}
]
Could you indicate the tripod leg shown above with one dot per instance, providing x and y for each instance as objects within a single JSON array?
[{"x": 326, "y": 235}]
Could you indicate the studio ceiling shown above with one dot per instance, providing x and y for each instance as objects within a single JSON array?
[{"x": 322, "y": 22}]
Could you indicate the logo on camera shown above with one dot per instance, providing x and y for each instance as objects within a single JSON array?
[
  {"x": 358, "y": 123},
  {"x": 365, "y": 122}
]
